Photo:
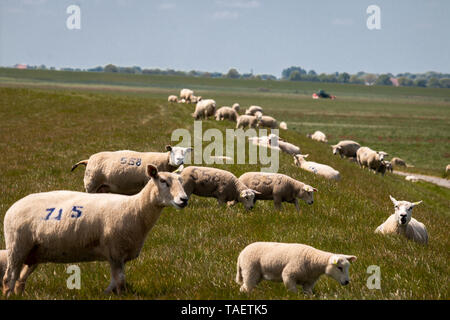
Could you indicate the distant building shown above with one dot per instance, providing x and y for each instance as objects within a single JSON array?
[{"x": 21, "y": 66}]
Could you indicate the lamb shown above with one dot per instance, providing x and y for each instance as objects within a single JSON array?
[
  {"x": 204, "y": 109},
  {"x": 397, "y": 162},
  {"x": 346, "y": 148},
  {"x": 318, "y": 136},
  {"x": 385, "y": 166},
  {"x": 172, "y": 98},
  {"x": 316, "y": 168},
  {"x": 124, "y": 171},
  {"x": 70, "y": 227},
  {"x": 186, "y": 94},
  {"x": 291, "y": 263},
  {"x": 283, "y": 125},
  {"x": 368, "y": 158},
  {"x": 246, "y": 121},
  {"x": 279, "y": 188},
  {"x": 226, "y": 113},
  {"x": 253, "y": 109},
  {"x": 219, "y": 184},
  {"x": 236, "y": 107},
  {"x": 266, "y": 121},
  {"x": 401, "y": 222}
]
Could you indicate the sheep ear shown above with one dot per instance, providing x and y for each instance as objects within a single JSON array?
[
  {"x": 179, "y": 169},
  {"x": 169, "y": 147},
  {"x": 393, "y": 200},
  {"x": 152, "y": 171},
  {"x": 350, "y": 258},
  {"x": 190, "y": 149},
  {"x": 255, "y": 192},
  {"x": 417, "y": 203},
  {"x": 315, "y": 190},
  {"x": 305, "y": 155}
]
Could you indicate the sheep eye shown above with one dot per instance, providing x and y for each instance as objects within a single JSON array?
[{"x": 164, "y": 182}]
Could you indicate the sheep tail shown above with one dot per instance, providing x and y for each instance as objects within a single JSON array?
[
  {"x": 239, "y": 278},
  {"x": 83, "y": 162}
]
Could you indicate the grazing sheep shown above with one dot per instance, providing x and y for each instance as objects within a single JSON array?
[
  {"x": 318, "y": 136},
  {"x": 246, "y": 121},
  {"x": 283, "y": 125},
  {"x": 204, "y": 109},
  {"x": 316, "y": 168},
  {"x": 346, "y": 148},
  {"x": 279, "y": 188},
  {"x": 226, "y": 113},
  {"x": 124, "y": 171},
  {"x": 412, "y": 178},
  {"x": 71, "y": 227},
  {"x": 186, "y": 94},
  {"x": 253, "y": 109},
  {"x": 172, "y": 98},
  {"x": 266, "y": 121},
  {"x": 368, "y": 158},
  {"x": 236, "y": 107},
  {"x": 217, "y": 183},
  {"x": 401, "y": 222},
  {"x": 291, "y": 263}
]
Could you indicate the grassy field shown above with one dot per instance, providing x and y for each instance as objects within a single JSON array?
[{"x": 48, "y": 121}]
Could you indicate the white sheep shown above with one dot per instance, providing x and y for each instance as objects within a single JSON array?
[
  {"x": 401, "y": 222},
  {"x": 195, "y": 99},
  {"x": 316, "y": 168},
  {"x": 226, "y": 113},
  {"x": 279, "y": 188},
  {"x": 236, "y": 107},
  {"x": 253, "y": 109},
  {"x": 346, "y": 148},
  {"x": 124, "y": 171},
  {"x": 244, "y": 121},
  {"x": 204, "y": 109},
  {"x": 283, "y": 125},
  {"x": 371, "y": 159},
  {"x": 412, "y": 178},
  {"x": 290, "y": 263},
  {"x": 397, "y": 162},
  {"x": 318, "y": 136},
  {"x": 217, "y": 183},
  {"x": 172, "y": 98},
  {"x": 266, "y": 121},
  {"x": 186, "y": 94},
  {"x": 71, "y": 227}
]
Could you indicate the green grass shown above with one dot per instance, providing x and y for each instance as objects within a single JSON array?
[{"x": 191, "y": 254}]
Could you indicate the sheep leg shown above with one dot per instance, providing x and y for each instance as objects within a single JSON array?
[
  {"x": 308, "y": 288},
  {"x": 277, "y": 203},
  {"x": 297, "y": 206},
  {"x": 250, "y": 280},
  {"x": 289, "y": 282},
  {"x": 16, "y": 260},
  {"x": 27, "y": 270},
  {"x": 118, "y": 275},
  {"x": 231, "y": 203}
]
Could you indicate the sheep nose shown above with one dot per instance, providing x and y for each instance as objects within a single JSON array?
[{"x": 346, "y": 282}]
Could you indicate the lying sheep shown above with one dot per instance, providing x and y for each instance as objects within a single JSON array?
[
  {"x": 172, "y": 98},
  {"x": 412, "y": 178},
  {"x": 397, "y": 162},
  {"x": 226, "y": 113},
  {"x": 72, "y": 227},
  {"x": 318, "y": 136},
  {"x": 279, "y": 188},
  {"x": 316, "y": 168},
  {"x": 371, "y": 159},
  {"x": 186, "y": 94},
  {"x": 253, "y": 109},
  {"x": 219, "y": 184},
  {"x": 246, "y": 121},
  {"x": 284, "y": 146},
  {"x": 266, "y": 121},
  {"x": 124, "y": 171},
  {"x": 283, "y": 125},
  {"x": 291, "y": 263},
  {"x": 346, "y": 148},
  {"x": 401, "y": 222},
  {"x": 204, "y": 109},
  {"x": 236, "y": 107}
]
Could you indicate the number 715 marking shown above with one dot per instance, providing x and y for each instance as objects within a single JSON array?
[{"x": 75, "y": 209}]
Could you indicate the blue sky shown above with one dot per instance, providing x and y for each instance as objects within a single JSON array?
[{"x": 265, "y": 36}]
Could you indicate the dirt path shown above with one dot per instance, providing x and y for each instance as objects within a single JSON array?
[{"x": 436, "y": 180}]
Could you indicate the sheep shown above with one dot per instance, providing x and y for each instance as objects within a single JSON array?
[
  {"x": 316, "y": 168},
  {"x": 385, "y": 166},
  {"x": 236, "y": 107},
  {"x": 226, "y": 113},
  {"x": 246, "y": 121},
  {"x": 284, "y": 146},
  {"x": 291, "y": 263},
  {"x": 124, "y": 171},
  {"x": 412, "y": 178},
  {"x": 266, "y": 121},
  {"x": 397, "y": 162},
  {"x": 447, "y": 168},
  {"x": 70, "y": 227},
  {"x": 195, "y": 99},
  {"x": 368, "y": 158},
  {"x": 279, "y": 188},
  {"x": 318, "y": 136},
  {"x": 346, "y": 148},
  {"x": 204, "y": 109},
  {"x": 401, "y": 222},
  {"x": 253, "y": 109},
  {"x": 172, "y": 98},
  {"x": 283, "y": 125},
  {"x": 182, "y": 101},
  {"x": 219, "y": 184},
  {"x": 186, "y": 94}
]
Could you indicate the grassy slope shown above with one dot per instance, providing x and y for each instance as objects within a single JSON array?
[{"x": 192, "y": 253}]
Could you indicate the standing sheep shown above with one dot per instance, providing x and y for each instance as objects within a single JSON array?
[
  {"x": 316, "y": 168},
  {"x": 368, "y": 158},
  {"x": 266, "y": 121},
  {"x": 346, "y": 148},
  {"x": 226, "y": 113},
  {"x": 172, "y": 98},
  {"x": 124, "y": 171},
  {"x": 253, "y": 109},
  {"x": 204, "y": 109},
  {"x": 246, "y": 121},
  {"x": 291, "y": 263},
  {"x": 279, "y": 188},
  {"x": 217, "y": 183},
  {"x": 318, "y": 136},
  {"x": 401, "y": 222},
  {"x": 186, "y": 94},
  {"x": 71, "y": 227}
]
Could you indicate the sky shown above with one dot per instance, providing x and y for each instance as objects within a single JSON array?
[{"x": 263, "y": 36}]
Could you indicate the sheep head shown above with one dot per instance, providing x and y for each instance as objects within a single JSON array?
[
  {"x": 403, "y": 210},
  {"x": 306, "y": 193},
  {"x": 247, "y": 198},
  {"x": 337, "y": 268},
  {"x": 177, "y": 155},
  {"x": 336, "y": 149}
]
